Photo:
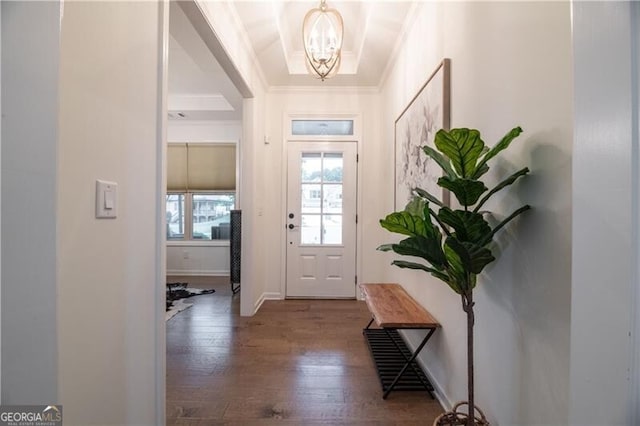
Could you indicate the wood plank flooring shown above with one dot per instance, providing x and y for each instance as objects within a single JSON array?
[{"x": 297, "y": 362}]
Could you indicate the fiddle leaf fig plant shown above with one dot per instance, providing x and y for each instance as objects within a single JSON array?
[{"x": 453, "y": 245}]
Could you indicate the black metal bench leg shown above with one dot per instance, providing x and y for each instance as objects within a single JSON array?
[
  {"x": 425, "y": 382},
  {"x": 368, "y": 325},
  {"x": 413, "y": 357}
]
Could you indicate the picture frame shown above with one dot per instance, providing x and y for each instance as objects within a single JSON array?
[{"x": 416, "y": 126}]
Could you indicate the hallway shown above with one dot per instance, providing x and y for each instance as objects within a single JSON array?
[{"x": 297, "y": 362}]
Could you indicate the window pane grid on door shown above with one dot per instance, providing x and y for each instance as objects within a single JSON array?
[
  {"x": 332, "y": 198},
  {"x": 332, "y": 229},
  {"x": 310, "y": 199},
  {"x": 321, "y": 198}
]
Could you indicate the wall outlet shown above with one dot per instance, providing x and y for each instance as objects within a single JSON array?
[{"x": 185, "y": 254}]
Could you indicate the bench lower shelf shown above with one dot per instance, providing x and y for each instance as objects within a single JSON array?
[{"x": 390, "y": 354}]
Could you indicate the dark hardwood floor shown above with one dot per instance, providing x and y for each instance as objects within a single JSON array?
[{"x": 298, "y": 362}]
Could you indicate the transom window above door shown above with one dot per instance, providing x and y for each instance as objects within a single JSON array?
[{"x": 312, "y": 127}]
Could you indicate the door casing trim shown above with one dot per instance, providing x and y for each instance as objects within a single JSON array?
[{"x": 288, "y": 138}]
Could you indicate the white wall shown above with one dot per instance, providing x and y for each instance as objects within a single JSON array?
[
  {"x": 254, "y": 227},
  {"x": 197, "y": 259},
  {"x": 204, "y": 131},
  {"x": 635, "y": 70},
  {"x": 605, "y": 197},
  {"x": 235, "y": 55},
  {"x": 511, "y": 65},
  {"x": 0, "y": 207},
  {"x": 107, "y": 269},
  {"x": 281, "y": 102},
  {"x": 30, "y": 51}
]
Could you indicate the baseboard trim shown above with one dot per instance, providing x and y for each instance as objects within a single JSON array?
[
  {"x": 198, "y": 273},
  {"x": 258, "y": 304},
  {"x": 266, "y": 296},
  {"x": 272, "y": 295}
]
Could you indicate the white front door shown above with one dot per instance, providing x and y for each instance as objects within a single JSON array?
[{"x": 321, "y": 219}]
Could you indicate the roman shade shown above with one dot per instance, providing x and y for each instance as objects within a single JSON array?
[{"x": 201, "y": 167}]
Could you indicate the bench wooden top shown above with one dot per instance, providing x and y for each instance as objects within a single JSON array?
[{"x": 392, "y": 307}]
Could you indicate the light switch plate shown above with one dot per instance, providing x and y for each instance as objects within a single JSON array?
[{"x": 106, "y": 199}]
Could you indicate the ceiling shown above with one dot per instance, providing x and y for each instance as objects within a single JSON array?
[{"x": 200, "y": 90}]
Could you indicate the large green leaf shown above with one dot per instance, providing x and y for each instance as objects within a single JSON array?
[
  {"x": 419, "y": 208},
  {"x": 504, "y": 222},
  {"x": 424, "y": 194},
  {"x": 482, "y": 169},
  {"x": 404, "y": 223},
  {"x": 508, "y": 181},
  {"x": 467, "y": 191},
  {"x": 431, "y": 231},
  {"x": 459, "y": 278},
  {"x": 468, "y": 226},
  {"x": 416, "y": 206},
  {"x": 429, "y": 249},
  {"x": 472, "y": 257},
  {"x": 503, "y": 144},
  {"x": 463, "y": 147},
  {"x": 442, "y": 161},
  {"x": 443, "y": 227},
  {"x": 455, "y": 284},
  {"x": 413, "y": 265}
]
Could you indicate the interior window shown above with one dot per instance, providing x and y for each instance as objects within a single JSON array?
[
  {"x": 201, "y": 185},
  {"x": 175, "y": 216},
  {"x": 211, "y": 214}
]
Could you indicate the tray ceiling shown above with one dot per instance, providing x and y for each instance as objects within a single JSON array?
[{"x": 200, "y": 90}]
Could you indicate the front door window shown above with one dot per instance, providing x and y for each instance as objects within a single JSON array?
[{"x": 321, "y": 198}]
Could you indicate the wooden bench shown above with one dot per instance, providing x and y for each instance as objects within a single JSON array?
[{"x": 393, "y": 309}]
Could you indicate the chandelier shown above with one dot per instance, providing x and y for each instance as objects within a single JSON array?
[{"x": 322, "y": 32}]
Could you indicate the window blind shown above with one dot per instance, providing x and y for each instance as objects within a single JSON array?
[
  {"x": 177, "y": 167},
  {"x": 201, "y": 167}
]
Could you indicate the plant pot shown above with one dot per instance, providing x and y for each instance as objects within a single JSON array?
[{"x": 458, "y": 417}]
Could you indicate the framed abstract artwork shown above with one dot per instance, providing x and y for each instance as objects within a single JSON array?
[{"x": 428, "y": 112}]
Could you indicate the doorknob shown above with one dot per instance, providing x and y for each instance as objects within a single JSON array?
[
  {"x": 290, "y": 215},
  {"x": 291, "y": 226}
]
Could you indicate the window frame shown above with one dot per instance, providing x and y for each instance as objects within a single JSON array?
[{"x": 187, "y": 238}]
